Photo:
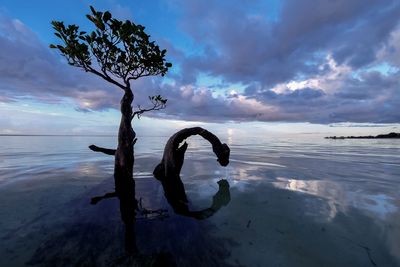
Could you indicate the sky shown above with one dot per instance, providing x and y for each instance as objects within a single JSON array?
[{"x": 330, "y": 66}]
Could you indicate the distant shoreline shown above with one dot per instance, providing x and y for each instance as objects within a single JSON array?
[
  {"x": 380, "y": 136},
  {"x": 72, "y": 135}
]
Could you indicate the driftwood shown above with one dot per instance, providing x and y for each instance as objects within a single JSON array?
[
  {"x": 172, "y": 161},
  {"x": 168, "y": 172}
]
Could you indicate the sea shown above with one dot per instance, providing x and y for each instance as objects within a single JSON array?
[{"x": 287, "y": 201}]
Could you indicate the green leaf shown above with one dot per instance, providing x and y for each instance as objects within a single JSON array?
[
  {"x": 99, "y": 24},
  {"x": 91, "y": 18},
  {"x": 121, "y": 47},
  {"x": 106, "y": 16}
]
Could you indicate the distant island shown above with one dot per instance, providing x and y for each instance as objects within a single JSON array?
[{"x": 380, "y": 136}]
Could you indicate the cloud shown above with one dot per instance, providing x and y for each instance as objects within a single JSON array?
[
  {"x": 244, "y": 45},
  {"x": 29, "y": 69},
  {"x": 390, "y": 52},
  {"x": 296, "y": 64},
  {"x": 304, "y": 64}
]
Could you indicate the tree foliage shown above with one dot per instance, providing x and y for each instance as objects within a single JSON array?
[{"x": 118, "y": 51}]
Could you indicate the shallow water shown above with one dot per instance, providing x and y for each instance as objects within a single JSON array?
[{"x": 293, "y": 202}]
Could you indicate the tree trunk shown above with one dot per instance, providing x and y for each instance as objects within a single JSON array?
[
  {"x": 124, "y": 161},
  {"x": 124, "y": 158}
]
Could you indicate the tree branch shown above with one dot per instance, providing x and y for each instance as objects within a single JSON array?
[
  {"x": 105, "y": 77},
  {"x": 106, "y": 151},
  {"x": 140, "y": 111}
]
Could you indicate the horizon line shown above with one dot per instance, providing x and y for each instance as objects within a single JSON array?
[{"x": 58, "y": 135}]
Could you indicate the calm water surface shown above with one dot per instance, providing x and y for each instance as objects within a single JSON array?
[{"x": 293, "y": 202}]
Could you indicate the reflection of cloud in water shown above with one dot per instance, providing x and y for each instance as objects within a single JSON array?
[
  {"x": 230, "y": 133},
  {"x": 339, "y": 197},
  {"x": 241, "y": 178},
  {"x": 393, "y": 236},
  {"x": 93, "y": 169},
  {"x": 379, "y": 204},
  {"x": 258, "y": 163},
  {"x": 87, "y": 169},
  {"x": 324, "y": 189},
  {"x": 288, "y": 226},
  {"x": 143, "y": 175}
]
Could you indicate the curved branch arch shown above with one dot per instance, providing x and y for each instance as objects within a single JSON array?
[{"x": 168, "y": 172}]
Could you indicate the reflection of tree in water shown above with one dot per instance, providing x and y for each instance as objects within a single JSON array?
[
  {"x": 168, "y": 172},
  {"x": 95, "y": 244},
  {"x": 220, "y": 199},
  {"x": 173, "y": 195}
]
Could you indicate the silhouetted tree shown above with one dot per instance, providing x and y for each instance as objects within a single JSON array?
[{"x": 118, "y": 52}]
